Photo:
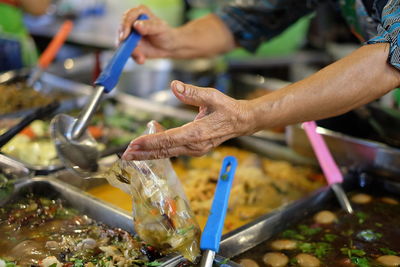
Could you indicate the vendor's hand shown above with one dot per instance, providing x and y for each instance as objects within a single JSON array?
[
  {"x": 158, "y": 36},
  {"x": 220, "y": 118}
]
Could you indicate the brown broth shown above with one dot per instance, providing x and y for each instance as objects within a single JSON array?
[{"x": 353, "y": 240}]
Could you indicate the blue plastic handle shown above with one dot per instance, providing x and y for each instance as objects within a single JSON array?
[
  {"x": 211, "y": 236},
  {"x": 110, "y": 75}
]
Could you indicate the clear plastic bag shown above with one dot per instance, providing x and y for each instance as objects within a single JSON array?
[{"x": 162, "y": 216}]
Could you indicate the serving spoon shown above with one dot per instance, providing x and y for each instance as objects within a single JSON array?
[
  {"x": 50, "y": 52},
  {"x": 74, "y": 144},
  {"x": 211, "y": 236},
  {"x": 332, "y": 173}
]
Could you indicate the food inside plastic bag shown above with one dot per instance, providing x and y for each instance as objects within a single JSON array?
[{"x": 162, "y": 216}]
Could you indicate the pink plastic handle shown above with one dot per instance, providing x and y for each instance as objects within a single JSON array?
[{"x": 324, "y": 156}]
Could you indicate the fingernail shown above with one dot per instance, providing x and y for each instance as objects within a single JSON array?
[
  {"x": 138, "y": 23},
  {"x": 134, "y": 147},
  {"x": 179, "y": 87}
]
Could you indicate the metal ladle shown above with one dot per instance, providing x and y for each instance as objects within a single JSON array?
[
  {"x": 332, "y": 173},
  {"x": 74, "y": 144}
]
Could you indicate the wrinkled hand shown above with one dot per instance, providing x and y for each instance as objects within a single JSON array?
[
  {"x": 220, "y": 118},
  {"x": 158, "y": 36}
]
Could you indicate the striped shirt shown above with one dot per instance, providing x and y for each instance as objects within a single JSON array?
[{"x": 255, "y": 21}]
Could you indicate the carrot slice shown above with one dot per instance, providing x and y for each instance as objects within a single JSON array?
[
  {"x": 28, "y": 131},
  {"x": 96, "y": 131}
]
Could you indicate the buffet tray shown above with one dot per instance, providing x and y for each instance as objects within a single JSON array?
[
  {"x": 129, "y": 108},
  {"x": 261, "y": 147},
  {"x": 262, "y": 229},
  {"x": 88, "y": 205},
  {"x": 49, "y": 83},
  {"x": 348, "y": 151}
]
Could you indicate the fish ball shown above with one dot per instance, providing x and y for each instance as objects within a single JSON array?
[
  {"x": 248, "y": 263},
  {"x": 361, "y": 198},
  {"x": 284, "y": 244},
  {"x": 307, "y": 260},
  {"x": 390, "y": 200},
  {"x": 275, "y": 259},
  {"x": 325, "y": 217},
  {"x": 389, "y": 260}
]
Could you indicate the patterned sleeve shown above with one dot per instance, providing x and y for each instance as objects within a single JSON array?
[
  {"x": 389, "y": 31},
  {"x": 255, "y": 21}
]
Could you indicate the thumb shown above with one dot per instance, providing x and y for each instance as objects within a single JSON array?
[{"x": 194, "y": 95}]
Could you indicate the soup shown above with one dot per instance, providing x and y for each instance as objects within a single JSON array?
[{"x": 370, "y": 237}]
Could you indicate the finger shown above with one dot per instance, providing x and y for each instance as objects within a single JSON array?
[
  {"x": 150, "y": 27},
  {"x": 191, "y": 132},
  {"x": 155, "y": 154},
  {"x": 130, "y": 17},
  {"x": 196, "y": 150},
  {"x": 138, "y": 56},
  {"x": 193, "y": 95}
]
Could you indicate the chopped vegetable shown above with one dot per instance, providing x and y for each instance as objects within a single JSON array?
[
  {"x": 96, "y": 131},
  {"x": 305, "y": 230},
  {"x": 360, "y": 262},
  {"x": 292, "y": 234},
  {"x": 319, "y": 249},
  {"x": 369, "y": 235},
  {"x": 153, "y": 263},
  {"x": 362, "y": 216},
  {"x": 28, "y": 131},
  {"x": 330, "y": 237},
  {"x": 388, "y": 251},
  {"x": 352, "y": 252}
]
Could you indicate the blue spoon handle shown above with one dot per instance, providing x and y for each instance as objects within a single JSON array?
[
  {"x": 211, "y": 236},
  {"x": 110, "y": 75}
]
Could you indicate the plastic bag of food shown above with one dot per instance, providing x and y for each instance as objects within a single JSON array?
[{"x": 162, "y": 216}]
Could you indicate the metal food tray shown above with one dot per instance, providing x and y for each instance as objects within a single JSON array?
[
  {"x": 262, "y": 229},
  {"x": 258, "y": 146},
  {"x": 50, "y": 83},
  {"x": 128, "y": 107},
  {"x": 348, "y": 151},
  {"x": 88, "y": 205}
]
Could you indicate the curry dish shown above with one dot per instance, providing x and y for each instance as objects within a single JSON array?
[
  {"x": 260, "y": 185},
  {"x": 16, "y": 97}
]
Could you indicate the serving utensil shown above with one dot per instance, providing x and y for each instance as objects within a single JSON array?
[
  {"x": 332, "y": 173},
  {"x": 50, "y": 52},
  {"x": 75, "y": 146},
  {"x": 34, "y": 114},
  {"x": 211, "y": 236}
]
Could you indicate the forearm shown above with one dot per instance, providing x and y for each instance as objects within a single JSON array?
[
  {"x": 203, "y": 37},
  {"x": 35, "y": 7},
  {"x": 344, "y": 85}
]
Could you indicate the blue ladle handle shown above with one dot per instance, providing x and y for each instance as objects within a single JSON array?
[
  {"x": 211, "y": 236},
  {"x": 110, "y": 75}
]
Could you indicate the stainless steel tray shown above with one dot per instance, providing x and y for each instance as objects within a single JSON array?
[
  {"x": 127, "y": 107},
  {"x": 50, "y": 83},
  {"x": 348, "y": 151},
  {"x": 256, "y": 145},
  {"x": 88, "y": 205},
  {"x": 252, "y": 234}
]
